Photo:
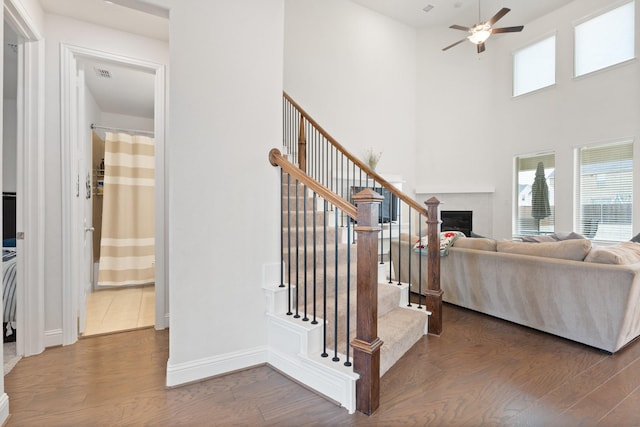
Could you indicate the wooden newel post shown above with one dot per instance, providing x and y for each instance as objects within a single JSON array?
[
  {"x": 302, "y": 146},
  {"x": 366, "y": 345},
  {"x": 434, "y": 293}
]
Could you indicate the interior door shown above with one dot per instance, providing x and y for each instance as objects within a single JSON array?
[{"x": 85, "y": 269}]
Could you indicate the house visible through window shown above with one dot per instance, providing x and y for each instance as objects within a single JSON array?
[
  {"x": 535, "y": 186},
  {"x": 605, "y": 40},
  {"x": 605, "y": 191},
  {"x": 534, "y": 66}
]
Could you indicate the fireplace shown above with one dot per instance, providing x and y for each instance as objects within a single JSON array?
[{"x": 457, "y": 221}]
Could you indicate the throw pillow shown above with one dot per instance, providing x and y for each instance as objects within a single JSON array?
[
  {"x": 446, "y": 240},
  {"x": 478, "y": 243},
  {"x": 575, "y": 249},
  {"x": 567, "y": 236},
  {"x": 619, "y": 254}
]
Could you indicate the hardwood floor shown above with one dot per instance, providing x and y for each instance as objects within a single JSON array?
[{"x": 481, "y": 371}]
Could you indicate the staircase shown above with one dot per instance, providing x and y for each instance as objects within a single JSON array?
[
  {"x": 317, "y": 238},
  {"x": 336, "y": 323}
]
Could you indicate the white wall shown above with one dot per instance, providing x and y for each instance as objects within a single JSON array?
[
  {"x": 9, "y": 145},
  {"x": 123, "y": 121},
  {"x": 58, "y": 30},
  {"x": 225, "y": 116},
  {"x": 473, "y": 128},
  {"x": 354, "y": 71}
]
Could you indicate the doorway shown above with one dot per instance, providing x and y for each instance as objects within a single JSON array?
[
  {"x": 9, "y": 198},
  {"x": 78, "y": 237},
  {"x": 26, "y": 75},
  {"x": 119, "y": 277}
]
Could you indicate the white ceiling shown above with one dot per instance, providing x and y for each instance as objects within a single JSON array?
[
  {"x": 462, "y": 12},
  {"x": 130, "y": 92},
  {"x": 132, "y": 16},
  {"x": 127, "y": 91}
]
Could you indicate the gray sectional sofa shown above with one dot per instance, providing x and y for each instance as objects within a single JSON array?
[{"x": 589, "y": 294}]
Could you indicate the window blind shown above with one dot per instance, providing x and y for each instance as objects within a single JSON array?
[
  {"x": 605, "y": 40},
  {"x": 605, "y": 196},
  {"x": 534, "y": 67}
]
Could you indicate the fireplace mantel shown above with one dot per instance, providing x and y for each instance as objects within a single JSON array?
[{"x": 455, "y": 190}]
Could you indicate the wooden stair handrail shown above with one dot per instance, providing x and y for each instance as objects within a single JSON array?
[
  {"x": 277, "y": 159},
  {"x": 399, "y": 194}
]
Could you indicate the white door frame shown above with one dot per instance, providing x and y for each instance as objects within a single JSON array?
[
  {"x": 72, "y": 234},
  {"x": 30, "y": 212}
]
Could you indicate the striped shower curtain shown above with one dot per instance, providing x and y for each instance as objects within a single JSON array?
[{"x": 127, "y": 245}]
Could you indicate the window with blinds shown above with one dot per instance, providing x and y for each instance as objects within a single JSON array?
[
  {"x": 534, "y": 67},
  {"x": 535, "y": 188},
  {"x": 605, "y": 191},
  {"x": 605, "y": 40}
]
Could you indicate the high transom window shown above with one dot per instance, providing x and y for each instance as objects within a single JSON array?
[
  {"x": 605, "y": 40},
  {"x": 534, "y": 67}
]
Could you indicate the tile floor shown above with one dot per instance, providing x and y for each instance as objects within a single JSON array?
[{"x": 119, "y": 309}]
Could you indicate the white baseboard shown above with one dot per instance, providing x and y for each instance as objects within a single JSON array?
[
  {"x": 52, "y": 338},
  {"x": 4, "y": 408},
  {"x": 198, "y": 370}
]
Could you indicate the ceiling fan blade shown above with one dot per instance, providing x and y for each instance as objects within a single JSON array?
[
  {"x": 455, "y": 44},
  {"x": 480, "y": 47},
  {"x": 459, "y": 27},
  {"x": 498, "y": 15},
  {"x": 507, "y": 29}
]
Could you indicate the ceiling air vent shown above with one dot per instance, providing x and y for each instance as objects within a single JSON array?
[
  {"x": 428, "y": 7},
  {"x": 101, "y": 72}
]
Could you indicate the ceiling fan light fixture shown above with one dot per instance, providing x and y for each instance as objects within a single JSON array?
[{"x": 479, "y": 33}]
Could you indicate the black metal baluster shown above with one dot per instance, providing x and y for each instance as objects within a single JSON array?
[
  {"x": 382, "y": 237},
  {"x": 399, "y": 240},
  {"x": 342, "y": 190},
  {"x": 281, "y": 228},
  {"x": 324, "y": 297},
  {"x": 289, "y": 313},
  {"x": 336, "y": 212},
  {"x": 297, "y": 315},
  {"x": 304, "y": 230},
  {"x": 348, "y": 362},
  {"x": 420, "y": 265},
  {"x": 315, "y": 269},
  {"x": 409, "y": 287},
  {"x": 390, "y": 263}
]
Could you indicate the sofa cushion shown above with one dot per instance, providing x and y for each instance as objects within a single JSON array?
[
  {"x": 538, "y": 239},
  {"x": 478, "y": 243},
  {"x": 555, "y": 237},
  {"x": 620, "y": 253},
  {"x": 574, "y": 249}
]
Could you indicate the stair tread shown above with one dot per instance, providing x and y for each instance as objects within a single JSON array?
[{"x": 399, "y": 330}]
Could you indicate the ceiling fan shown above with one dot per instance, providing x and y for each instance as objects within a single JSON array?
[{"x": 479, "y": 33}]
